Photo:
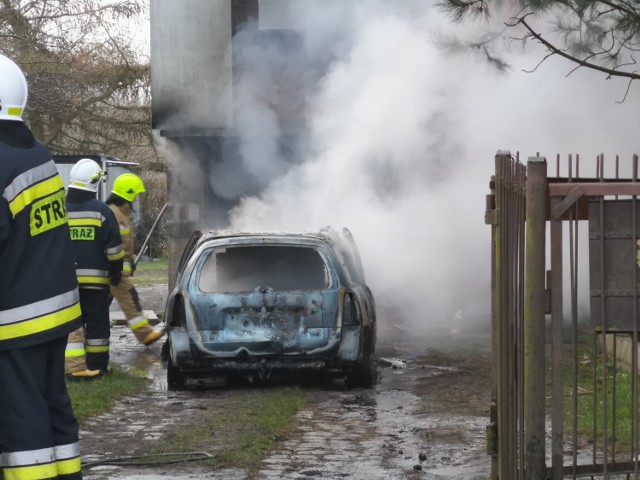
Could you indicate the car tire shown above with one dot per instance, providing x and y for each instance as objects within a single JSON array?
[
  {"x": 365, "y": 374},
  {"x": 164, "y": 351},
  {"x": 175, "y": 378}
]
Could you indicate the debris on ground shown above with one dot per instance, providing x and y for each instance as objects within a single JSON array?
[{"x": 395, "y": 363}]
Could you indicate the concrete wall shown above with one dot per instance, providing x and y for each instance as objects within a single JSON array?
[
  {"x": 623, "y": 345},
  {"x": 191, "y": 64}
]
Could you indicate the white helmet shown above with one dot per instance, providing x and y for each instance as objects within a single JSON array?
[
  {"x": 13, "y": 90},
  {"x": 86, "y": 174}
]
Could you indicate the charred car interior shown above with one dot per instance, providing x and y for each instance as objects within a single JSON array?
[
  {"x": 255, "y": 304},
  {"x": 279, "y": 267}
]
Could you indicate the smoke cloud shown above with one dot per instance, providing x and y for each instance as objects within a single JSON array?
[{"x": 401, "y": 144}]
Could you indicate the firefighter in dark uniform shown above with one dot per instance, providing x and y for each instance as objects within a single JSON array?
[
  {"x": 39, "y": 301},
  {"x": 126, "y": 188},
  {"x": 98, "y": 254}
]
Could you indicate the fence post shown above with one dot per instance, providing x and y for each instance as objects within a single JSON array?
[{"x": 534, "y": 325}]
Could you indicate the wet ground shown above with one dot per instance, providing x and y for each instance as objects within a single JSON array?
[{"x": 424, "y": 420}]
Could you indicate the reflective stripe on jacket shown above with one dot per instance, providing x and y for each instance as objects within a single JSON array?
[{"x": 38, "y": 286}]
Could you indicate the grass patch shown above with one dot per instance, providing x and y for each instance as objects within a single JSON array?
[
  {"x": 592, "y": 376},
  {"x": 244, "y": 427},
  {"x": 153, "y": 272},
  {"x": 93, "y": 397}
]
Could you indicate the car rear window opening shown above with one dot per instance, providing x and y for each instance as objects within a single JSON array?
[{"x": 243, "y": 269}]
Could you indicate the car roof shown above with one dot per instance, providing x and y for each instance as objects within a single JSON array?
[{"x": 322, "y": 235}]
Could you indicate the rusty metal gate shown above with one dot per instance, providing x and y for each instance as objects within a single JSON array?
[{"x": 565, "y": 309}]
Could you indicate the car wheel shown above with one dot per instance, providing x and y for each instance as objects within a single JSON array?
[
  {"x": 365, "y": 373},
  {"x": 175, "y": 378},
  {"x": 164, "y": 351}
]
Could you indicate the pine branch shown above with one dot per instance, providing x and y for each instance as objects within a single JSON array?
[
  {"x": 611, "y": 72},
  {"x": 458, "y": 10}
]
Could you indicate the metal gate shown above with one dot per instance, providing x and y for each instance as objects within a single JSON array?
[{"x": 565, "y": 306}]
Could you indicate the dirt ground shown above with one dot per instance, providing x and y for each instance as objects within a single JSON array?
[{"x": 425, "y": 419}]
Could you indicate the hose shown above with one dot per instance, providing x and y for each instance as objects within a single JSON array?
[
  {"x": 146, "y": 240},
  {"x": 132, "y": 460}
]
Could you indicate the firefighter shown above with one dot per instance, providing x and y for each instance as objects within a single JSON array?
[
  {"x": 98, "y": 255},
  {"x": 126, "y": 188},
  {"x": 39, "y": 300}
]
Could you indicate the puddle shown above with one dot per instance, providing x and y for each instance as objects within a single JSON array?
[
  {"x": 131, "y": 355},
  {"x": 359, "y": 401}
]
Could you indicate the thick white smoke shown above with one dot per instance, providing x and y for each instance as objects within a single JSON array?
[{"x": 402, "y": 142}]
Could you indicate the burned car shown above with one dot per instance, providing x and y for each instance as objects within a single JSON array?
[{"x": 258, "y": 303}]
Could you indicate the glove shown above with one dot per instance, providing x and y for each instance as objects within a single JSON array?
[
  {"x": 115, "y": 273},
  {"x": 115, "y": 278},
  {"x": 133, "y": 268}
]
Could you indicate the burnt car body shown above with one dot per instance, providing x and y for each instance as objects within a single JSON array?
[{"x": 258, "y": 303}]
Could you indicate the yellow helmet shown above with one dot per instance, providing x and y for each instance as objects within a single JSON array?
[{"x": 128, "y": 186}]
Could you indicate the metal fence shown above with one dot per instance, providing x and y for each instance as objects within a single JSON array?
[{"x": 565, "y": 298}]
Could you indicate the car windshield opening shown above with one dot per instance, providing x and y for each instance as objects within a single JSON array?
[{"x": 242, "y": 269}]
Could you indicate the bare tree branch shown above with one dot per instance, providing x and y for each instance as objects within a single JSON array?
[
  {"x": 580, "y": 62},
  {"x": 600, "y": 35}
]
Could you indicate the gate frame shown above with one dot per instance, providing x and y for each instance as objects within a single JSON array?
[{"x": 516, "y": 435}]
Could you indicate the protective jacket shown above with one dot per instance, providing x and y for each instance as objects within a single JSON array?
[
  {"x": 123, "y": 217},
  {"x": 125, "y": 292},
  {"x": 96, "y": 238},
  {"x": 38, "y": 287}
]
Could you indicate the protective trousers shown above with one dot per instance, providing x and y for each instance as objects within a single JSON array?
[
  {"x": 75, "y": 356},
  {"x": 38, "y": 430},
  {"x": 94, "y": 303},
  {"x": 127, "y": 297}
]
